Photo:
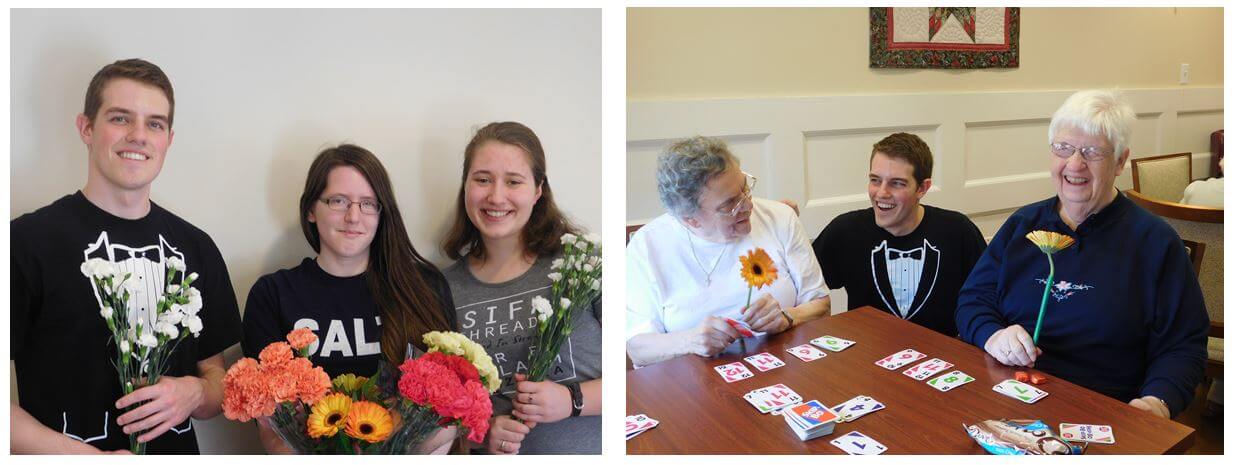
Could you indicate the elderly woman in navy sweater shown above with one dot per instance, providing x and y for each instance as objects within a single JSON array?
[{"x": 1125, "y": 316}]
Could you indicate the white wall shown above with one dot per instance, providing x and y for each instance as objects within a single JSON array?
[{"x": 260, "y": 92}]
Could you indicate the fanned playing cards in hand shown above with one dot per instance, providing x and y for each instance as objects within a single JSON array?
[{"x": 743, "y": 328}]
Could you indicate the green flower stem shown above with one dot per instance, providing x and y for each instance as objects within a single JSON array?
[{"x": 1045, "y": 294}]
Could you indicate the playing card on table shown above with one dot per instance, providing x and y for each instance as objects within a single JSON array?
[
  {"x": 807, "y": 352},
  {"x": 857, "y": 407},
  {"x": 1020, "y": 391},
  {"x": 950, "y": 381},
  {"x": 1087, "y": 433},
  {"x": 734, "y": 372},
  {"x": 899, "y": 359},
  {"x": 764, "y": 361},
  {"x": 636, "y": 424},
  {"x": 928, "y": 368},
  {"x": 772, "y": 398},
  {"x": 832, "y": 343},
  {"x": 855, "y": 443}
]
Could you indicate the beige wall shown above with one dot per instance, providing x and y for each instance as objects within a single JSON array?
[{"x": 685, "y": 53}]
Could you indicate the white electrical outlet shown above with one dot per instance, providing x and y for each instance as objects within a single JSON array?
[{"x": 1184, "y": 74}]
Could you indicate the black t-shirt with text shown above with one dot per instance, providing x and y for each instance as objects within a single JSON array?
[
  {"x": 60, "y": 345},
  {"x": 340, "y": 311},
  {"x": 916, "y": 277}
]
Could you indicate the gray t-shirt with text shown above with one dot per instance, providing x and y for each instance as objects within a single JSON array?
[{"x": 499, "y": 317}]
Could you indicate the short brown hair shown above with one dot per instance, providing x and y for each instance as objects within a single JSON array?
[
  {"x": 911, "y": 149},
  {"x": 542, "y": 233},
  {"x": 133, "y": 68}
]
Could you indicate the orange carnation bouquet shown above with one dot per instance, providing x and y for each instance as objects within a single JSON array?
[{"x": 387, "y": 413}]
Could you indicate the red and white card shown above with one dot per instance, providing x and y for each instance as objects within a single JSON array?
[
  {"x": 636, "y": 424},
  {"x": 899, "y": 359},
  {"x": 734, "y": 372},
  {"x": 924, "y": 370},
  {"x": 764, "y": 361},
  {"x": 807, "y": 352}
]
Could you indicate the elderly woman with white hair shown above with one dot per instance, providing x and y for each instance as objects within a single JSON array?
[
  {"x": 683, "y": 273},
  {"x": 1125, "y": 316}
]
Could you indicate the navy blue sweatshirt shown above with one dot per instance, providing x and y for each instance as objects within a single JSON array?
[{"x": 1125, "y": 316}]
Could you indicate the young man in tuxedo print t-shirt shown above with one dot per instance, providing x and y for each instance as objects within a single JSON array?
[{"x": 899, "y": 255}]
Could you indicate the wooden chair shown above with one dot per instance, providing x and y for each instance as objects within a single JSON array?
[
  {"x": 630, "y": 229},
  {"x": 1162, "y": 177},
  {"x": 1202, "y": 231}
]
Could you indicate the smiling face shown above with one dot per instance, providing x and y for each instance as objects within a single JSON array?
[
  {"x": 1085, "y": 186},
  {"x": 723, "y": 192},
  {"x": 500, "y": 191},
  {"x": 895, "y": 194},
  {"x": 345, "y": 235},
  {"x": 128, "y": 138}
]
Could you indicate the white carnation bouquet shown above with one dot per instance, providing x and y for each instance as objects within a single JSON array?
[
  {"x": 143, "y": 348},
  {"x": 576, "y": 278}
]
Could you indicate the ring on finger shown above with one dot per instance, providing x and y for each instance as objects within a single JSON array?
[{"x": 503, "y": 445}]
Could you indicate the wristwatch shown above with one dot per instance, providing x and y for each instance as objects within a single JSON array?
[
  {"x": 787, "y": 317},
  {"x": 576, "y": 399}
]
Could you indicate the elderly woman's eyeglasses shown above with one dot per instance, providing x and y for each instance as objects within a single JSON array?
[
  {"x": 342, "y": 204},
  {"x": 1090, "y": 153},
  {"x": 747, "y": 195}
]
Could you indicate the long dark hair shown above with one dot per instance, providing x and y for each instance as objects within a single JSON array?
[
  {"x": 397, "y": 274},
  {"x": 542, "y": 233}
]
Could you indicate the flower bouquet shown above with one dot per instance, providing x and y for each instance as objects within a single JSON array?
[
  {"x": 144, "y": 348},
  {"x": 576, "y": 280},
  {"x": 382, "y": 414}
]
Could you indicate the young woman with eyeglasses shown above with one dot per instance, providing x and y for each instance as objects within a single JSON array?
[{"x": 368, "y": 295}]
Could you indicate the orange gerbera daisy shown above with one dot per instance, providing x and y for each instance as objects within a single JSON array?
[
  {"x": 328, "y": 415},
  {"x": 369, "y": 421},
  {"x": 1049, "y": 241},
  {"x": 758, "y": 269}
]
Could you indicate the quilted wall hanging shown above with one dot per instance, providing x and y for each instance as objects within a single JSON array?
[{"x": 944, "y": 37}]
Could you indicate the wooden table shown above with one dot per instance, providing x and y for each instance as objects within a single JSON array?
[{"x": 699, "y": 413}]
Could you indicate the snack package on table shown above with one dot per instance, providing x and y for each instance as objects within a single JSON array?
[{"x": 1020, "y": 437}]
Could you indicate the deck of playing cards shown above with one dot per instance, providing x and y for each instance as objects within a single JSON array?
[
  {"x": 636, "y": 424},
  {"x": 810, "y": 420},
  {"x": 772, "y": 398},
  {"x": 857, "y": 407},
  {"x": 855, "y": 443},
  {"x": 1022, "y": 392}
]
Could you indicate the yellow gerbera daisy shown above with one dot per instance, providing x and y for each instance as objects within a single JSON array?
[
  {"x": 369, "y": 421},
  {"x": 349, "y": 383},
  {"x": 328, "y": 415},
  {"x": 1049, "y": 241},
  {"x": 758, "y": 269}
]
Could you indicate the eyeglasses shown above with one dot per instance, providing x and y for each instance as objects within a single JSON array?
[
  {"x": 747, "y": 195},
  {"x": 1090, "y": 153},
  {"x": 342, "y": 204}
]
